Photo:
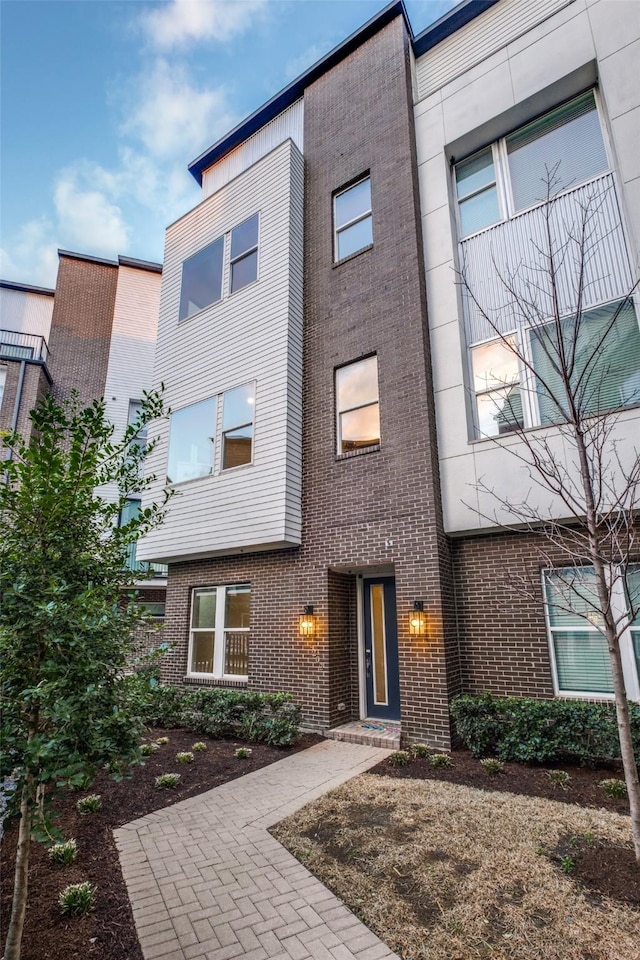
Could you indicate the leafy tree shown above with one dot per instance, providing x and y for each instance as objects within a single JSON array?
[
  {"x": 67, "y": 611},
  {"x": 594, "y": 474}
]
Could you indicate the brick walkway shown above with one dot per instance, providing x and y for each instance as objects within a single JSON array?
[{"x": 206, "y": 880}]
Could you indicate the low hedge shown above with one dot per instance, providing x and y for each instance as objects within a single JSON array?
[
  {"x": 271, "y": 718},
  {"x": 526, "y": 730}
]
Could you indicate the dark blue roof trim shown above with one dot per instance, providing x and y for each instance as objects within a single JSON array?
[
  {"x": 296, "y": 89},
  {"x": 462, "y": 14},
  {"x": 26, "y": 288},
  {"x": 87, "y": 256},
  {"x": 140, "y": 264}
]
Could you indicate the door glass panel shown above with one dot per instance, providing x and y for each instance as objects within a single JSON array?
[{"x": 378, "y": 644}]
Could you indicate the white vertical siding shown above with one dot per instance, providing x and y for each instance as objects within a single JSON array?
[
  {"x": 287, "y": 125},
  {"x": 25, "y": 312},
  {"x": 253, "y": 334},
  {"x": 483, "y": 36},
  {"x": 132, "y": 349}
]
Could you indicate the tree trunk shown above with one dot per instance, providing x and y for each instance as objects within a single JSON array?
[{"x": 14, "y": 932}]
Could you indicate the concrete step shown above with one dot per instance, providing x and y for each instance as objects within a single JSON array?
[{"x": 372, "y": 733}]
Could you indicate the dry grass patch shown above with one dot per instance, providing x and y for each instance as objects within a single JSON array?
[{"x": 445, "y": 872}]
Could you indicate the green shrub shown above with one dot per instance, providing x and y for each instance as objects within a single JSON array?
[
  {"x": 492, "y": 766},
  {"x": 243, "y": 753},
  {"x": 420, "y": 750},
  {"x": 440, "y": 760},
  {"x": 567, "y": 864},
  {"x": 199, "y": 747},
  {"x": 614, "y": 789},
  {"x": 90, "y": 804},
  {"x": 168, "y": 781},
  {"x": 146, "y": 749},
  {"x": 63, "y": 853},
  {"x": 525, "y": 730},
  {"x": 162, "y": 741},
  {"x": 400, "y": 758},
  {"x": 185, "y": 757},
  {"x": 559, "y": 778},
  {"x": 77, "y": 899}
]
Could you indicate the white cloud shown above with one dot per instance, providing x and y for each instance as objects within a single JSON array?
[
  {"x": 181, "y": 23},
  {"x": 308, "y": 57},
  {"x": 34, "y": 255},
  {"x": 171, "y": 115}
]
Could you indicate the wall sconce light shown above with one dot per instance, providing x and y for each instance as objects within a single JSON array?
[
  {"x": 418, "y": 619},
  {"x": 307, "y": 622}
]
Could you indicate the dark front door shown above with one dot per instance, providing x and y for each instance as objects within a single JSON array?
[{"x": 381, "y": 649}]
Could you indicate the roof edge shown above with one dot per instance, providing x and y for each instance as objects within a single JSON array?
[
  {"x": 72, "y": 255},
  {"x": 294, "y": 90},
  {"x": 448, "y": 23},
  {"x": 150, "y": 265},
  {"x": 26, "y": 288}
]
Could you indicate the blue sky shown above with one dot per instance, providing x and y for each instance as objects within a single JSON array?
[{"x": 105, "y": 102}]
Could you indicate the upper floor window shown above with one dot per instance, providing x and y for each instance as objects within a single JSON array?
[
  {"x": 353, "y": 221},
  {"x": 191, "y": 441},
  {"x": 237, "y": 426},
  {"x": 203, "y": 274},
  {"x": 517, "y": 378},
  {"x": 3, "y": 380},
  {"x": 561, "y": 149},
  {"x": 244, "y": 254},
  {"x": 135, "y": 409},
  {"x": 357, "y": 407}
]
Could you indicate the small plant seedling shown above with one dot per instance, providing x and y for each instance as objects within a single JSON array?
[
  {"x": 420, "y": 750},
  {"x": 168, "y": 781},
  {"x": 492, "y": 766},
  {"x": 78, "y": 899},
  {"x": 147, "y": 749},
  {"x": 63, "y": 853},
  {"x": 199, "y": 747},
  {"x": 567, "y": 864},
  {"x": 400, "y": 758},
  {"x": 559, "y": 778},
  {"x": 185, "y": 757},
  {"x": 614, "y": 789},
  {"x": 89, "y": 804},
  {"x": 242, "y": 753},
  {"x": 161, "y": 741},
  {"x": 440, "y": 760}
]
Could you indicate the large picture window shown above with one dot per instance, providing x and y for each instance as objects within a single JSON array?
[
  {"x": 512, "y": 174},
  {"x": 358, "y": 412},
  {"x": 191, "y": 441},
  {"x": 219, "y": 631}
]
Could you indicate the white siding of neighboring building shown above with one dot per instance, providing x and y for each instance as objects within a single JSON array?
[
  {"x": 26, "y": 312},
  {"x": 254, "y": 334},
  {"x": 287, "y": 125},
  {"x": 525, "y": 66},
  {"x": 132, "y": 349}
]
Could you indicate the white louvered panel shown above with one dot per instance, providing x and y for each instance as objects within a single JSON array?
[
  {"x": 254, "y": 334},
  {"x": 288, "y": 124},
  {"x": 514, "y": 251},
  {"x": 480, "y": 38},
  {"x": 25, "y": 312}
]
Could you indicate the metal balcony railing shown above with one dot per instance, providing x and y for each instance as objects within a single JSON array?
[
  {"x": 23, "y": 346},
  {"x": 144, "y": 566},
  {"x": 236, "y": 654}
]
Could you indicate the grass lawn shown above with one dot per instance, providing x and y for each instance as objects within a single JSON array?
[{"x": 446, "y": 871}]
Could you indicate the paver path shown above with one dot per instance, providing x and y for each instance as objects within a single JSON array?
[{"x": 206, "y": 879}]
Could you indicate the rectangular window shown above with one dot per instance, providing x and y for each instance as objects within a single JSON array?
[
  {"x": 561, "y": 149},
  {"x": 202, "y": 279},
  {"x": 219, "y": 634},
  {"x": 496, "y": 380},
  {"x": 135, "y": 409},
  {"x": 358, "y": 413},
  {"x": 353, "y": 220},
  {"x": 244, "y": 253},
  {"x": 154, "y": 608},
  {"x": 633, "y": 605},
  {"x": 3, "y": 380},
  {"x": 191, "y": 441},
  {"x": 237, "y": 426}
]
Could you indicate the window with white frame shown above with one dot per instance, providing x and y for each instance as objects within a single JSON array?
[
  {"x": 558, "y": 150},
  {"x": 353, "y": 219},
  {"x": 135, "y": 409},
  {"x": 516, "y": 379},
  {"x": 579, "y": 655},
  {"x": 357, "y": 406},
  {"x": 3, "y": 380},
  {"x": 219, "y": 631},
  {"x": 203, "y": 274}
]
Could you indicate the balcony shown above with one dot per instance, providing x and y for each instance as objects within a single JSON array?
[
  {"x": 514, "y": 251},
  {"x": 23, "y": 346},
  {"x": 156, "y": 570}
]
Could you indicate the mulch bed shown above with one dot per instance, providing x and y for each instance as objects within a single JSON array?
[
  {"x": 109, "y": 932},
  {"x": 600, "y": 868}
]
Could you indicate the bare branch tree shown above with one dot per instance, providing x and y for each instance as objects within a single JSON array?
[{"x": 567, "y": 366}]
